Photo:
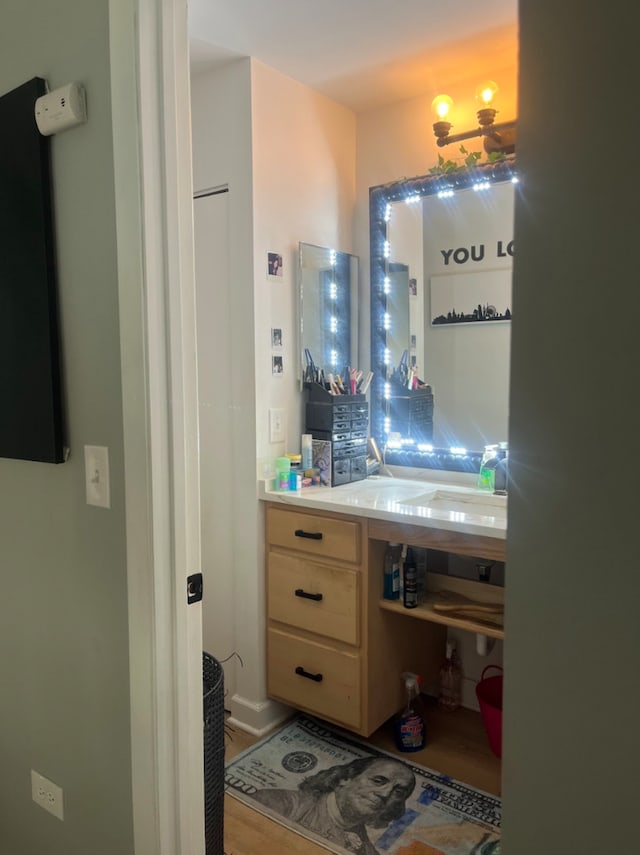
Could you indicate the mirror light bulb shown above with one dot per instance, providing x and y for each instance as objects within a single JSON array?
[
  {"x": 486, "y": 92},
  {"x": 441, "y": 106}
]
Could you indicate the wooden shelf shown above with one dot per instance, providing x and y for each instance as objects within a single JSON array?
[{"x": 425, "y": 611}]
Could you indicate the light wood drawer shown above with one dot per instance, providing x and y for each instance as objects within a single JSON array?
[
  {"x": 321, "y": 536},
  {"x": 335, "y": 695},
  {"x": 314, "y": 596}
]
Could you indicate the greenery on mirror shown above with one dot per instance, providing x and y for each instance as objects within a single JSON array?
[{"x": 470, "y": 159}]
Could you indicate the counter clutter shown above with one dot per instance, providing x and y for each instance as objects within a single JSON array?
[{"x": 440, "y": 504}]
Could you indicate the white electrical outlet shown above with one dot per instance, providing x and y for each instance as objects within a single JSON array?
[
  {"x": 47, "y": 794},
  {"x": 277, "y": 425}
]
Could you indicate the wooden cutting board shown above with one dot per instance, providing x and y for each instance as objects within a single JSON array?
[{"x": 457, "y": 604}]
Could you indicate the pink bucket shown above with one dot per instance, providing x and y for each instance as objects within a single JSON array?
[{"x": 489, "y": 694}]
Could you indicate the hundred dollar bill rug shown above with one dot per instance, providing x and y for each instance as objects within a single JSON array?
[{"x": 348, "y": 796}]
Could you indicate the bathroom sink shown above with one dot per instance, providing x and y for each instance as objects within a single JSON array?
[
  {"x": 461, "y": 502},
  {"x": 392, "y": 490}
]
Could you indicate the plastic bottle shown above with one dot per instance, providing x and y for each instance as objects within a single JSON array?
[
  {"x": 501, "y": 472},
  {"x": 410, "y": 581},
  {"x": 450, "y": 695},
  {"x": 392, "y": 572},
  {"x": 283, "y": 469},
  {"x": 486, "y": 476},
  {"x": 410, "y": 729},
  {"x": 306, "y": 447}
]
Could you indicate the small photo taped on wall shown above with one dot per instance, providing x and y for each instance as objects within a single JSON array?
[
  {"x": 276, "y": 337},
  {"x": 274, "y": 264},
  {"x": 277, "y": 366}
]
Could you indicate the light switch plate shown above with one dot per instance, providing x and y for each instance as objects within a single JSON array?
[
  {"x": 96, "y": 471},
  {"x": 277, "y": 425}
]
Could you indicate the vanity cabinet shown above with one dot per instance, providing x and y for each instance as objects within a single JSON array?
[{"x": 331, "y": 650}]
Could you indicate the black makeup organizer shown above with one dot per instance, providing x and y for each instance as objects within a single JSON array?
[
  {"x": 410, "y": 412},
  {"x": 342, "y": 422}
]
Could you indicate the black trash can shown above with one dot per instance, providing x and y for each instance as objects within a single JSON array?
[{"x": 213, "y": 714}]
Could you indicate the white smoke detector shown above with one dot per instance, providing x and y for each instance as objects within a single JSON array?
[{"x": 63, "y": 108}]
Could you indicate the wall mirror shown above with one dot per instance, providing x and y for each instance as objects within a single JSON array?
[
  {"x": 441, "y": 262},
  {"x": 328, "y": 281}
]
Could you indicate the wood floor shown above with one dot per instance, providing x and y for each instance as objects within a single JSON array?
[{"x": 456, "y": 746}]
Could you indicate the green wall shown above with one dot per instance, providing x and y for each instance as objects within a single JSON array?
[
  {"x": 64, "y": 673},
  {"x": 572, "y": 641}
]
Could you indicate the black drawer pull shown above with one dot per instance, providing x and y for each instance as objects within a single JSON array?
[
  {"x": 312, "y": 535},
  {"x": 317, "y": 678},
  {"x": 307, "y": 596}
]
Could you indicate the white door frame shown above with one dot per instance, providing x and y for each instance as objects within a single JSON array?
[{"x": 153, "y": 184}]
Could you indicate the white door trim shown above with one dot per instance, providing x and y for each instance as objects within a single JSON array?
[{"x": 152, "y": 151}]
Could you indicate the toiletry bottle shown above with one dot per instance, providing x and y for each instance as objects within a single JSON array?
[
  {"x": 410, "y": 730},
  {"x": 392, "y": 572},
  {"x": 306, "y": 448},
  {"x": 486, "y": 476},
  {"x": 450, "y": 695},
  {"x": 501, "y": 476},
  {"x": 296, "y": 460},
  {"x": 295, "y": 479},
  {"x": 283, "y": 469},
  {"x": 410, "y": 580}
]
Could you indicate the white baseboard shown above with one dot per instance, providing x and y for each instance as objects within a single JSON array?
[
  {"x": 257, "y": 718},
  {"x": 260, "y": 717}
]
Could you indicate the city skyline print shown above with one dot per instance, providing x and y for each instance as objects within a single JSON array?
[{"x": 470, "y": 298}]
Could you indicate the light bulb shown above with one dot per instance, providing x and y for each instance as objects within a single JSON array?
[
  {"x": 486, "y": 92},
  {"x": 441, "y": 106}
]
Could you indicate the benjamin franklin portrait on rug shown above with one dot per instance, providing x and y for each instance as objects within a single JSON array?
[{"x": 338, "y": 803}]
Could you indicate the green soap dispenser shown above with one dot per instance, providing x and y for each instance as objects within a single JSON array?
[{"x": 487, "y": 474}]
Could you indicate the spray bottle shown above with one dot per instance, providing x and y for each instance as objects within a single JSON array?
[
  {"x": 450, "y": 695},
  {"x": 410, "y": 727}
]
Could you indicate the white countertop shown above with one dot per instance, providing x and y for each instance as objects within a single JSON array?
[{"x": 433, "y": 504}]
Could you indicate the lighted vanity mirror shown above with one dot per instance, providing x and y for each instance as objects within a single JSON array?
[
  {"x": 441, "y": 261},
  {"x": 328, "y": 281}
]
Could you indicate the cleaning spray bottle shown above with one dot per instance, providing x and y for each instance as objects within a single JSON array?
[
  {"x": 450, "y": 695},
  {"x": 410, "y": 726}
]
